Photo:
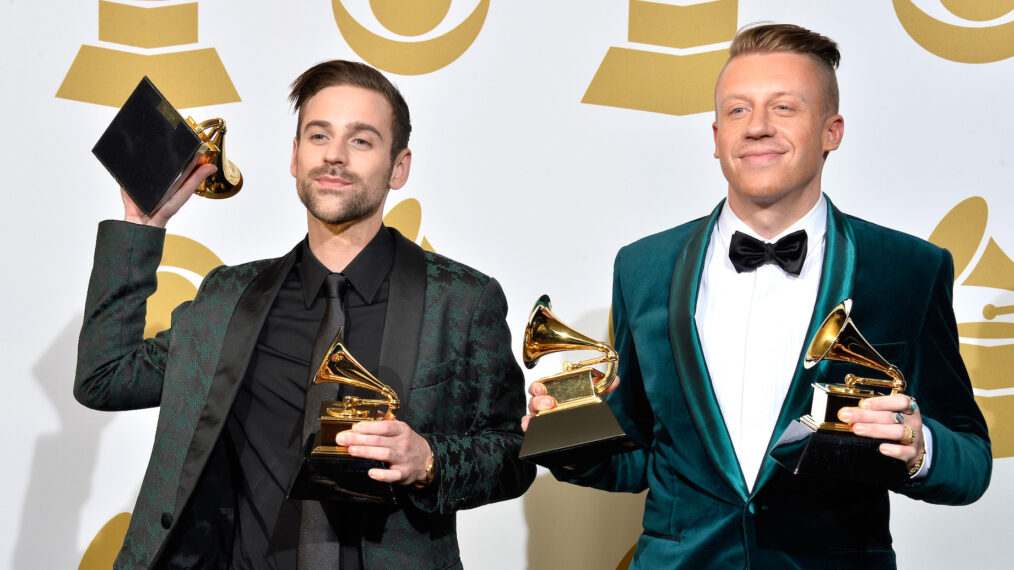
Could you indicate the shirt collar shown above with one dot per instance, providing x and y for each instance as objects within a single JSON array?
[{"x": 365, "y": 273}]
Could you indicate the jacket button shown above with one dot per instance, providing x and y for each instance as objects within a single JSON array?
[{"x": 167, "y": 520}]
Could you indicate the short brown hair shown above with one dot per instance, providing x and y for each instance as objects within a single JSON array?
[
  {"x": 340, "y": 72},
  {"x": 775, "y": 38}
]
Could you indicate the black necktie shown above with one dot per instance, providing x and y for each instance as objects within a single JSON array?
[
  {"x": 319, "y": 546},
  {"x": 748, "y": 253},
  {"x": 333, "y": 320}
]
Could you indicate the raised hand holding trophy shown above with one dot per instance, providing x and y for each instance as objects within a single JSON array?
[
  {"x": 581, "y": 427},
  {"x": 148, "y": 145}
]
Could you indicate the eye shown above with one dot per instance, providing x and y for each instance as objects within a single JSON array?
[
  {"x": 737, "y": 110},
  {"x": 317, "y": 137},
  {"x": 361, "y": 142}
]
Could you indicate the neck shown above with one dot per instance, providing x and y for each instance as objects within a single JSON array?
[
  {"x": 335, "y": 245},
  {"x": 771, "y": 219}
]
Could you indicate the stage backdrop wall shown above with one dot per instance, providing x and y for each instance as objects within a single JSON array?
[{"x": 546, "y": 136}]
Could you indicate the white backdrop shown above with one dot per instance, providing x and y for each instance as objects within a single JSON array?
[{"x": 515, "y": 176}]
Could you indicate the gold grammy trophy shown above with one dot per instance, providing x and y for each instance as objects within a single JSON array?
[
  {"x": 581, "y": 426},
  {"x": 821, "y": 444},
  {"x": 327, "y": 470},
  {"x": 148, "y": 146}
]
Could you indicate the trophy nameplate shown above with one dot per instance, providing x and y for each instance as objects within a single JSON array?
[
  {"x": 581, "y": 428},
  {"x": 819, "y": 443},
  {"x": 148, "y": 145},
  {"x": 327, "y": 471}
]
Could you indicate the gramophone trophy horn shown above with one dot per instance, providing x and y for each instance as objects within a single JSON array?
[
  {"x": 819, "y": 443},
  {"x": 227, "y": 180},
  {"x": 328, "y": 472},
  {"x": 148, "y": 146},
  {"x": 581, "y": 426}
]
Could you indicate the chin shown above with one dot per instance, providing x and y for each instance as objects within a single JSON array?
[{"x": 762, "y": 195}]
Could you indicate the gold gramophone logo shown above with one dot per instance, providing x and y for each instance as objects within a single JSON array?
[
  {"x": 106, "y": 544},
  {"x": 984, "y": 304},
  {"x": 406, "y": 217},
  {"x": 408, "y": 20},
  {"x": 185, "y": 262},
  {"x": 978, "y": 41},
  {"x": 157, "y": 41},
  {"x": 670, "y": 69}
]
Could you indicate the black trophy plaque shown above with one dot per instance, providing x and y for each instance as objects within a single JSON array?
[
  {"x": 843, "y": 455},
  {"x": 339, "y": 479},
  {"x": 147, "y": 146}
]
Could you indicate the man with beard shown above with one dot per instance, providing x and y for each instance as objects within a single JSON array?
[{"x": 232, "y": 375}]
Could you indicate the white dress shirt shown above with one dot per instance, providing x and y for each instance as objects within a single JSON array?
[{"x": 752, "y": 327}]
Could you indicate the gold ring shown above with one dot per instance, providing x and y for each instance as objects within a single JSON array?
[
  {"x": 912, "y": 406},
  {"x": 899, "y": 418},
  {"x": 909, "y": 435}
]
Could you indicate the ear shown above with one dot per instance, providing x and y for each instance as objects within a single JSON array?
[
  {"x": 714, "y": 132},
  {"x": 292, "y": 165},
  {"x": 834, "y": 130},
  {"x": 399, "y": 172}
]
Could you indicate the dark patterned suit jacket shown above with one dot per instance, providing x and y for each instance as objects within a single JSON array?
[{"x": 444, "y": 336}]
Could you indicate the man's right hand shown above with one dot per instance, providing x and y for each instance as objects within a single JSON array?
[
  {"x": 179, "y": 193},
  {"x": 539, "y": 401}
]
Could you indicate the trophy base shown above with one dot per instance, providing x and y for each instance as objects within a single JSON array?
[
  {"x": 577, "y": 435},
  {"x": 147, "y": 146},
  {"x": 339, "y": 479},
  {"x": 836, "y": 454}
]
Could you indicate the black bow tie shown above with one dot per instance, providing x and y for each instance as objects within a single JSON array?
[{"x": 748, "y": 253}]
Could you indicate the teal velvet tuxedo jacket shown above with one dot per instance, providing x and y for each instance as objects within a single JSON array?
[
  {"x": 444, "y": 336},
  {"x": 698, "y": 511}
]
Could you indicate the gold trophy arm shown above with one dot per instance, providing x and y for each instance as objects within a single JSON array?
[
  {"x": 357, "y": 403},
  {"x": 896, "y": 383},
  {"x": 328, "y": 377},
  {"x": 205, "y": 125},
  {"x": 611, "y": 360}
]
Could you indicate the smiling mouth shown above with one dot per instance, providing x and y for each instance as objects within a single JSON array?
[
  {"x": 760, "y": 156},
  {"x": 332, "y": 182}
]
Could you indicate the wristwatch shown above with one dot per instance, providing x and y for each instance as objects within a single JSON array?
[{"x": 430, "y": 468}]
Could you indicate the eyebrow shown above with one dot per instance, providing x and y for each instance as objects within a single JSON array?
[
  {"x": 796, "y": 94},
  {"x": 354, "y": 126}
]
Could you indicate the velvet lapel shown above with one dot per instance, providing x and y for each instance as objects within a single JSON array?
[
  {"x": 691, "y": 368},
  {"x": 836, "y": 281},
  {"x": 403, "y": 323},
  {"x": 240, "y": 339}
]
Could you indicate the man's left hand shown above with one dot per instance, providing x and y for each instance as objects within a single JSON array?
[
  {"x": 879, "y": 418},
  {"x": 404, "y": 451}
]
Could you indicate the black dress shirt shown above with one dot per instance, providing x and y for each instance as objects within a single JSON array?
[{"x": 262, "y": 434}]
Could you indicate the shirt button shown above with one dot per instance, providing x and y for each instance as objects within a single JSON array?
[{"x": 167, "y": 520}]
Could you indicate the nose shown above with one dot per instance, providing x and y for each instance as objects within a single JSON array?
[
  {"x": 760, "y": 125},
  {"x": 336, "y": 152}
]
